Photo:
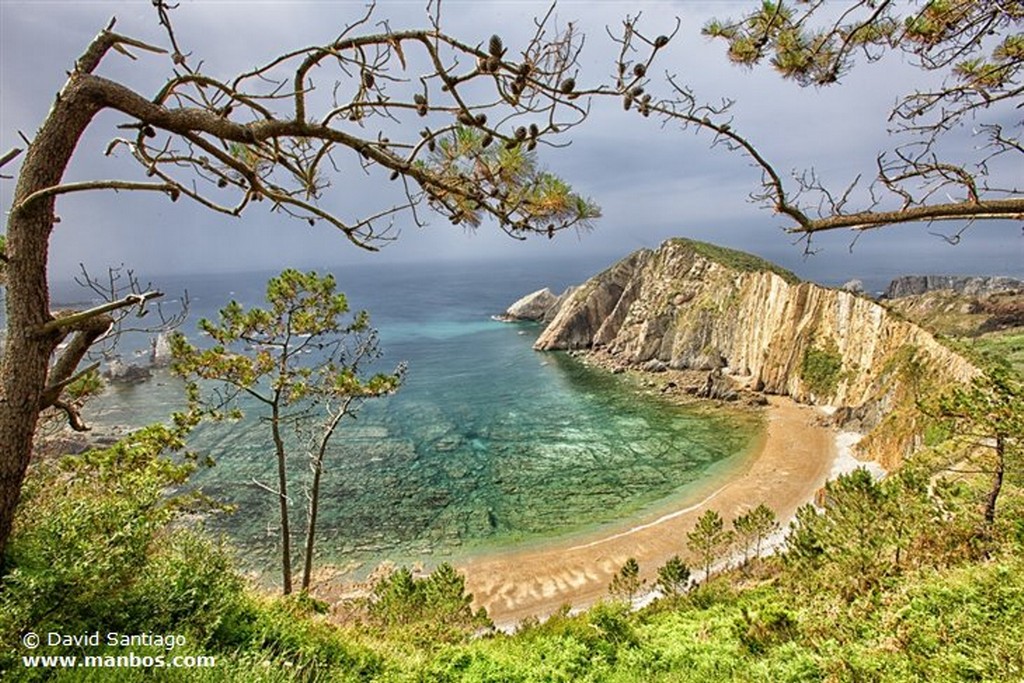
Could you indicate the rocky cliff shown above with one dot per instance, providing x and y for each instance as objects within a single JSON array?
[
  {"x": 910, "y": 285},
  {"x": 691, "y": 305}
]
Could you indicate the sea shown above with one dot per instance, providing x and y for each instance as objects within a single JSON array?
[{"x": 488, "y": 445}]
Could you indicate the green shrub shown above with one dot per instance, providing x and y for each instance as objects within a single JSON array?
[
  {"x": 613, "y": 624},
  {"x": 93, "y": 550},
  {"x": 787, "y": 663},
  {"x": 431, "y": 609},
  {"x": 965, "y": 625},
  {"x": 821, "y": 368},
  {"x": 289, "y": 630},
  {"x": 765, "y": 627}
]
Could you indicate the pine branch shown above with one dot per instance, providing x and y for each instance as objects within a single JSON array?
[
  {"x": 72, "y": 320},
  {"x": 93, "y": 185}
]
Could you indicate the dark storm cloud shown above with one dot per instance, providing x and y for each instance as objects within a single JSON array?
[{"x": 652, "y": 182}]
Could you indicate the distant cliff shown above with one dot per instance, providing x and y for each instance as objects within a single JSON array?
[
  {"x": 691, "y": 305},
  {"x": 910, "y": 285}
]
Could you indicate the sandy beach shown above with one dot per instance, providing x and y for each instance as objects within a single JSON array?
[{"x": 795, "y": 457}]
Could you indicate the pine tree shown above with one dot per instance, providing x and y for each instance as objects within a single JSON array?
[
  {"x": 709, "y": 539},
  {"x": 267, "y": 354},
  {"x": 673, "y": 577},
  {"x": 986, "y": 420},
  {"x": 627, "y": 584}
]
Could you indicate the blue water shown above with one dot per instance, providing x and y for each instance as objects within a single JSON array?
[{"x": 488, "y": 443}]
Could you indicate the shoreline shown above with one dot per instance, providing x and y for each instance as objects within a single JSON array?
[{"x": 795, "y": 457}]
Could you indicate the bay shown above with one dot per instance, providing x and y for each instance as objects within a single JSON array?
[{"x": 487, "y": 445}]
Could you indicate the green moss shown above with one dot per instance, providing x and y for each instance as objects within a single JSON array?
[
  {"x": 821, "y": 368},
  {"x": 737, "y": 260}
]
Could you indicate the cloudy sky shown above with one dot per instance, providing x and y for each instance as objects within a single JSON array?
[{"x": 652, "y": 182}]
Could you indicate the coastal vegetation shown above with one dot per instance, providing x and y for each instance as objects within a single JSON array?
[
  {"x": 1008, "y": 346},
  {"x": 735, "y": 259},
  {"x": 821, "y": 367},
  {"x": 753, "y": 529},
  {"x": 627, "y": 584},
  {"x": 708, "y": 539}
]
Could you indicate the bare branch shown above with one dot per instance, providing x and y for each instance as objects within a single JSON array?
[
  {"x": 71, "y": 320},
  {"x": 268, "y": 489},
  {"x": 73, "y": 415},
  {"x": 996, "y": 209},
  {"x": 86, "y": 186},
  {"x": 975, "y": 47},
  {"x": 9, "y": 156}
]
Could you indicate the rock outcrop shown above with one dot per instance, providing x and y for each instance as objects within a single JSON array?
[
  {"x": 689, "y": 305},
  {"x": 596, "y": 306},
  {"x": 128, "y": 373},
  {"x": 159, "y": 356},
  {"x": 160, "y": 351},
  {"x": 910, "y": 285},
  {"x": 539, "y": 306}
]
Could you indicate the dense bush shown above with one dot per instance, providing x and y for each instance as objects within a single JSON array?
[
  {"x": 96, "y": 549},
  {"x": 93, "y": 549}
]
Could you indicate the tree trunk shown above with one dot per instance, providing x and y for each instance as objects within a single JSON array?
[
  {"x": 314, "y": 506},
  {"x": 997, "y": 483},
  {"x": 282, "y": 488},
  {"x": 314, "y": 495},
  {"x": 27, "y": 351}
]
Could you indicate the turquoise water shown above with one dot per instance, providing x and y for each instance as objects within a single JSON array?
[{"x": 488, "y": 443}]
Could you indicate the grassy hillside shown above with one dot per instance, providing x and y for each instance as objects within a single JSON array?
[{"x": 1007, "y": 345}]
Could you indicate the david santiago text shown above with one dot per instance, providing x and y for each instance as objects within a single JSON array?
[{"x": 165, "y": 640}]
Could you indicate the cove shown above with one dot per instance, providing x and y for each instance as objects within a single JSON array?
[{"x": 488, "y": 445}]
